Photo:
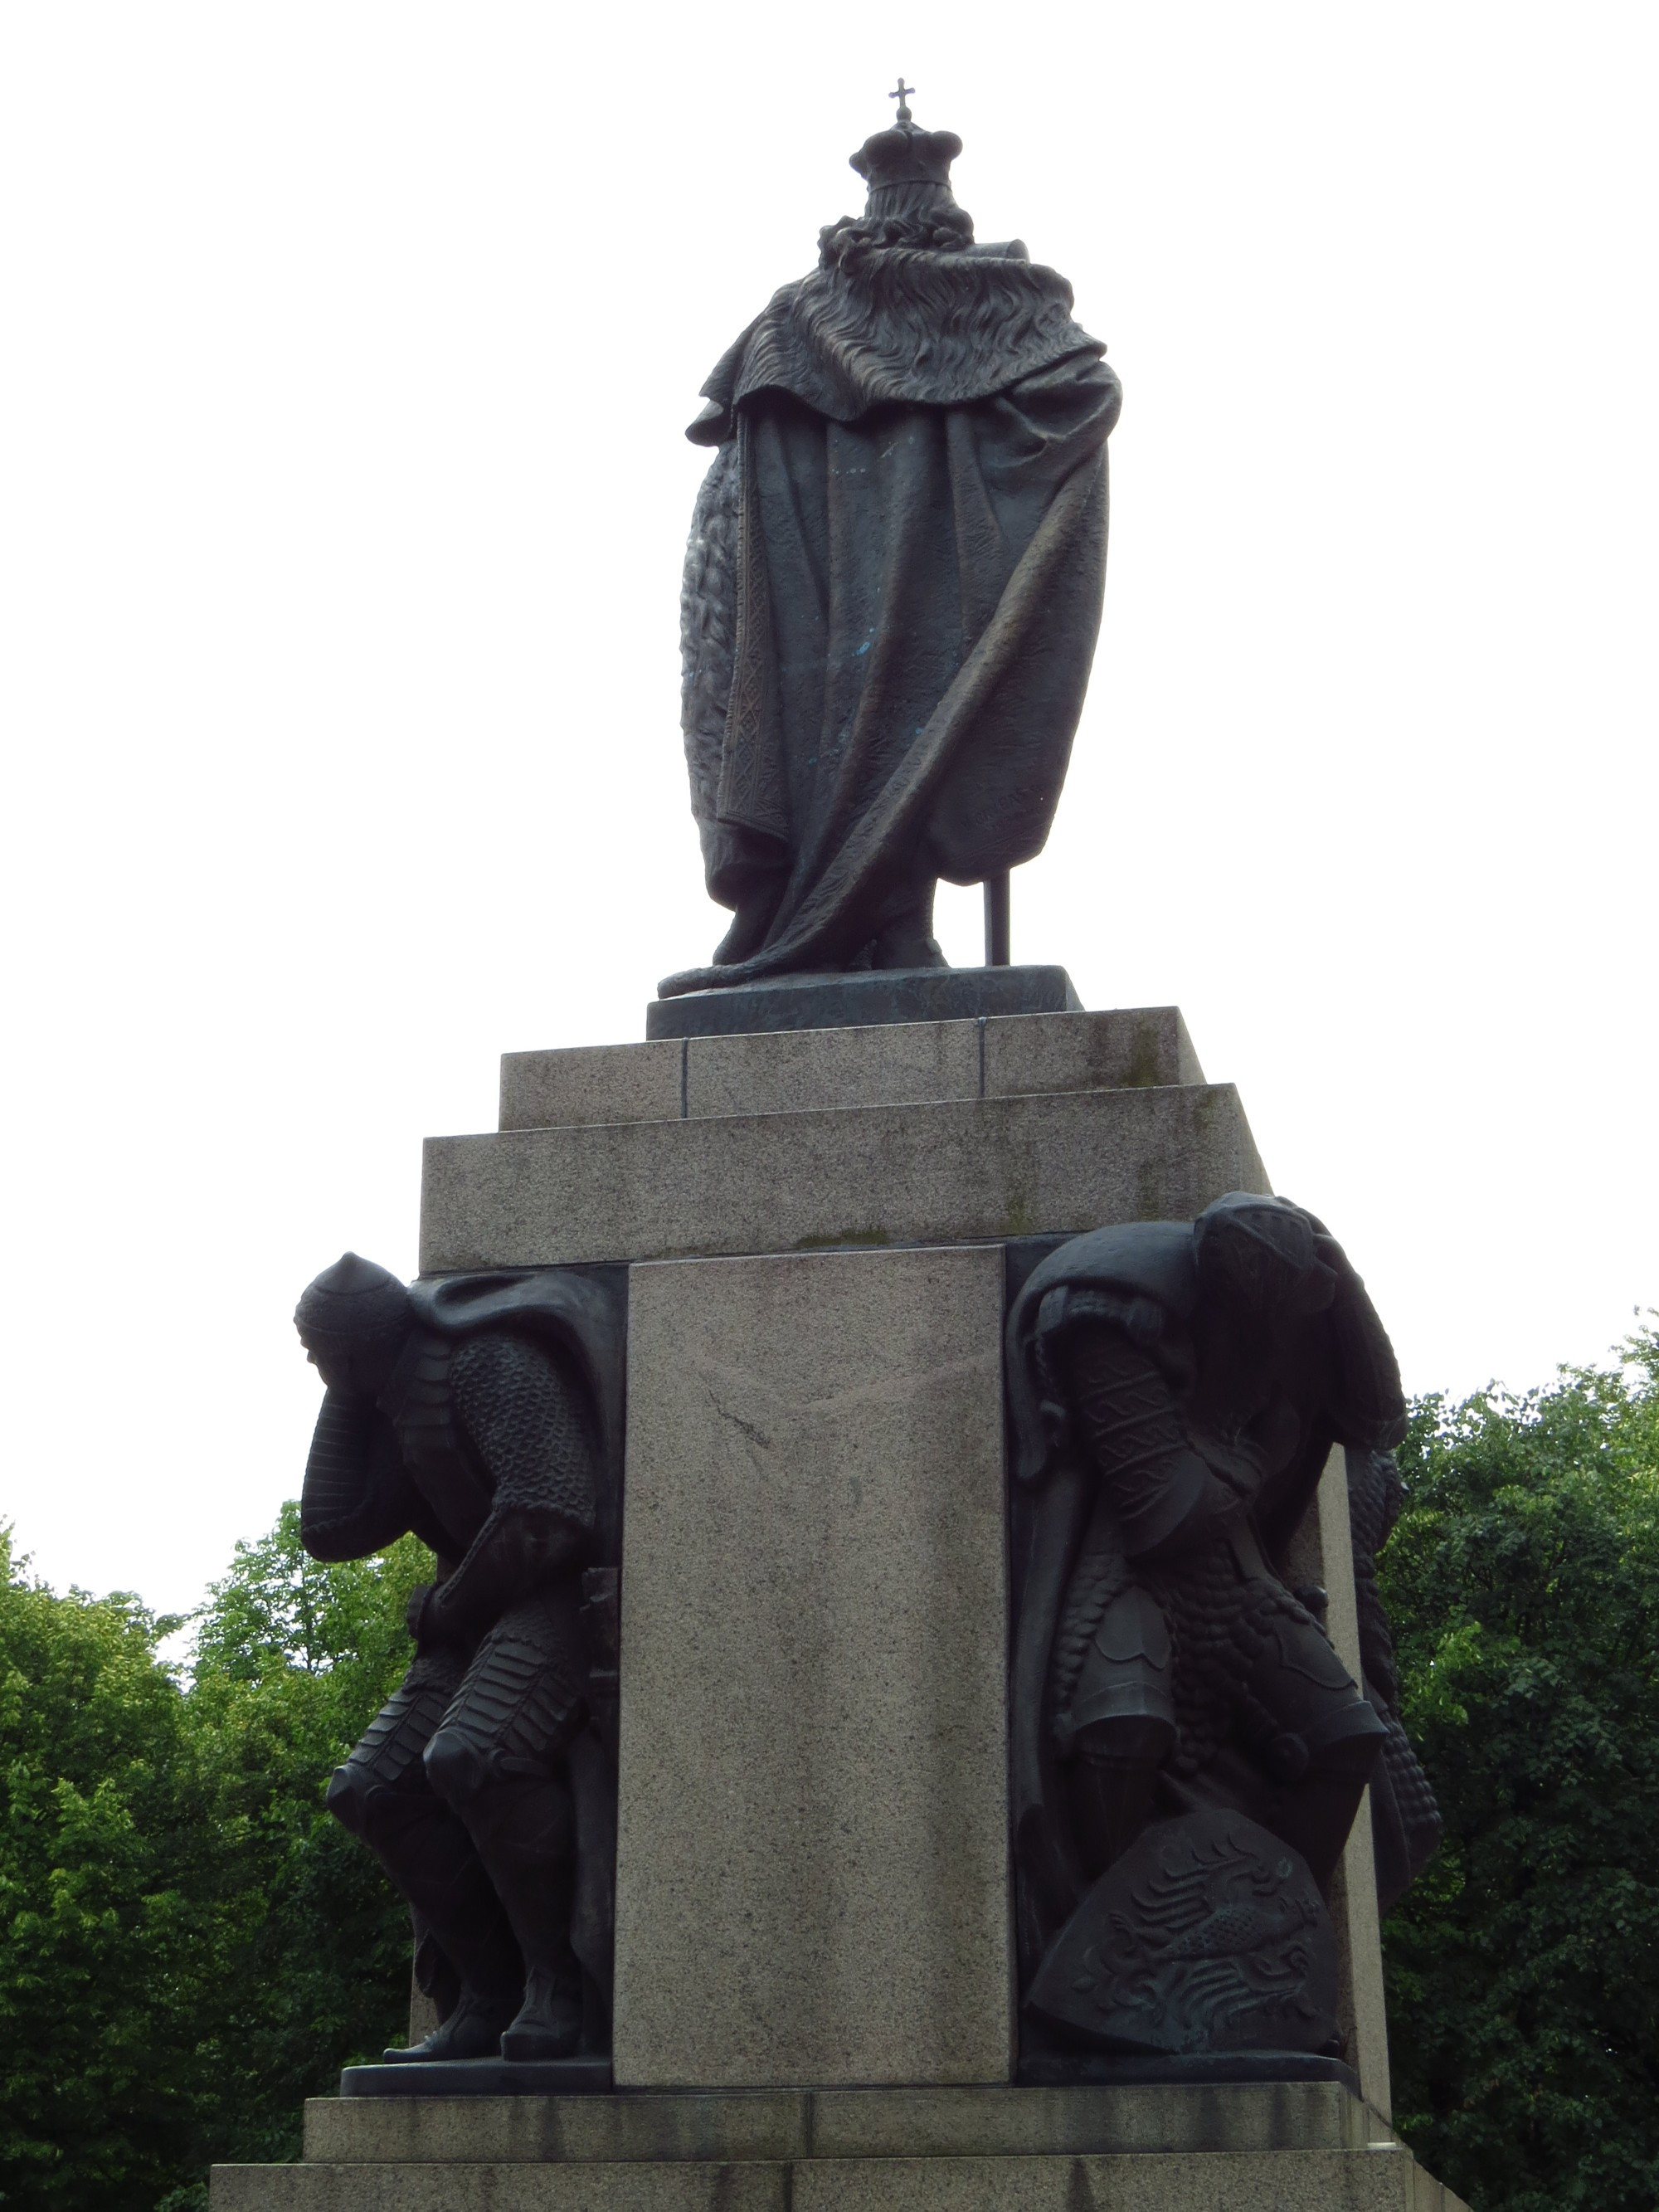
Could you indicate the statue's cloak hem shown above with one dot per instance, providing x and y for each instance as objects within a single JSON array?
[{"x": 894, "y": 716}]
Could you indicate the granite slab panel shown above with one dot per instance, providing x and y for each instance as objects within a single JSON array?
[
  {"x": 1383, "y": 2178},
  {"x": 1001, "y": 2122},
  {"x": 1133, "y": 1048},
  {"x": 812, "y": 1881},
  {"x": 793, "y": 1070},
  {"x": 785, "y": 1071},
  {"x": 641, "y": 2185},
  {"x": 945, "y": 1172},
  {"x": 573, "y": 1084},
  {"x": 509, "y": 2130},
  {"x": 977, "y": 2120},
  {"x": 1321, "y": 1551}
]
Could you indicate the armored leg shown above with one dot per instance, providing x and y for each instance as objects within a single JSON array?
[
  {"x": 383, "y": 1795},
  {"x": 1121, "y": 1725},
  {"x": 497, "y": 1760},
  {"x": 1315, "y": 1735}
]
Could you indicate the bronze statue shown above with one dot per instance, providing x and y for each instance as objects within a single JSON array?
[
  {"x": 1189, "y": 1751},
  {"x": 483, "y": 1413},
  {"x": 893, "y": 584}
]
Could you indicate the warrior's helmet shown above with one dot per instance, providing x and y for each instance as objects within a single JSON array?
[
  {"x": 1264, "y": 1253},
  {"x": 353, "y": 1301}
]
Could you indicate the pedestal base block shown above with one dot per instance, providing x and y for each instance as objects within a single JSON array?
[
  {"x": 862, "y": 999},
  {"x": 1268, "y": 2147}
]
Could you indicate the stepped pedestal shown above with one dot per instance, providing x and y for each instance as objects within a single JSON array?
[
  {"x": 815, "y": 1991},
  {"x": 1281, "y": 2147}
]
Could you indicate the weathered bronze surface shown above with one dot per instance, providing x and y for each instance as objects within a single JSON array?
[
  {"x": 1189, "y": 1751},
  {"x": 893, "y": 584},
  {"x": 484, "y": 1413}
]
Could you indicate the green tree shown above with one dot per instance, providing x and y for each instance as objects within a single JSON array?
[
  {"x": 293, "y": 1660},
  {"x": 1523, "y": 1969},
  {"x": 106, "y": 1939},
  {"x": 189, "y": 1944}
]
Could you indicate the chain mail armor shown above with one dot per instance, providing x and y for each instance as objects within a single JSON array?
[
  {"x": 485, "y": 1444},
  {"x": 1175, "y": 1391},
  {"x": 1225, "y": 1611}
]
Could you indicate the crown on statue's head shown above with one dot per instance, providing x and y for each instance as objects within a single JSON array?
[{"x": 907, "y": 155}]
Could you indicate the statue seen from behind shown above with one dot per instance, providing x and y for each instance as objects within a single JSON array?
[{"x": 894, "y": 580}]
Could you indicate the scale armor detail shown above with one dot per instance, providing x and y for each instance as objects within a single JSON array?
[{"x": 523, "y": 1415}]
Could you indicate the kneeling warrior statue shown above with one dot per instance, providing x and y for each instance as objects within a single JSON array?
[
  {"x": 474, "y": 1410},
  {"x": 1189, "y": 1749}
]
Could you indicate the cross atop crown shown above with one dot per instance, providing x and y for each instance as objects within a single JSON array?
[{"x": 905, "y": 154}]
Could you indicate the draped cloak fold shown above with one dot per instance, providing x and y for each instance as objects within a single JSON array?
[{"x": 893, "y": 590}]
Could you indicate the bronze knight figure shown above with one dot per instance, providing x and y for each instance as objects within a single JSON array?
[
  {"x": 482, "y": 1413},
  {"x": 1189, "y": 1749}
]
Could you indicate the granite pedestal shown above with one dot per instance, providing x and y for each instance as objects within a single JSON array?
[
  {"x": 861, "y": 1000},
  {"x": 812, "y": 1853},
  {"x": 815, "y": 1984},
  {"x": 1286, "y": 2146}
]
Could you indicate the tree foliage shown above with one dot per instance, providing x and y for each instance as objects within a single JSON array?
[
  {"x": 189, "y": 1945},
  {"x": 1523, "y": 1968}
]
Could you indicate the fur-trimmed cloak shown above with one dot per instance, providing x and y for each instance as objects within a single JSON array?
[{"x": 893, "y": 590}]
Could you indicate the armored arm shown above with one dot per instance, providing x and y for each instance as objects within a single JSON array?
[
  {"x": 1164, "y": 1495},
  {"x": 523, "y": 1409},
  {"x": 357, "y": 1497}
]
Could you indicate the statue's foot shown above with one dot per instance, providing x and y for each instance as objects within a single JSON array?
[
  {"x": 549, "y": 2024},
  {"x": 473, "y": 2030},
  {"x": 907, "y": 948}
]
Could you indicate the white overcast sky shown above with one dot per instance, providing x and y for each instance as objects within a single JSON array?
[{"x": 345, "y": 350}]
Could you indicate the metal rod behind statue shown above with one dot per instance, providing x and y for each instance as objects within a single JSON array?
[{"x": 997, "y": 924}]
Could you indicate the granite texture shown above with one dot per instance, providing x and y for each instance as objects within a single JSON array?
[
  {"x": 787, "y": 1070},
  {"x": 1004, "y": 2123},
  {"x": 1129, "y": 1049},
  {"x": 801, "y": 1069},
  {"x": 1321, "y": 1551},
  {"x": 513, "y": 2130},
  {"x": 812, "y": 1853},
  {"x": 588, "y": 1083},
  {"x": 841, "y": 2123},
  {"x": 858, "y": 999},
  {"x": 1382, "y": 2178},
  {"x": 636, "y": 2187},
  {"x": 951, "y": 1171}
]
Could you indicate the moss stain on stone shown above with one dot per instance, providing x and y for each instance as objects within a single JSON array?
[
  {"x": 1143, "y": 1069},
  {"x": 827, "y": 1239}
]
